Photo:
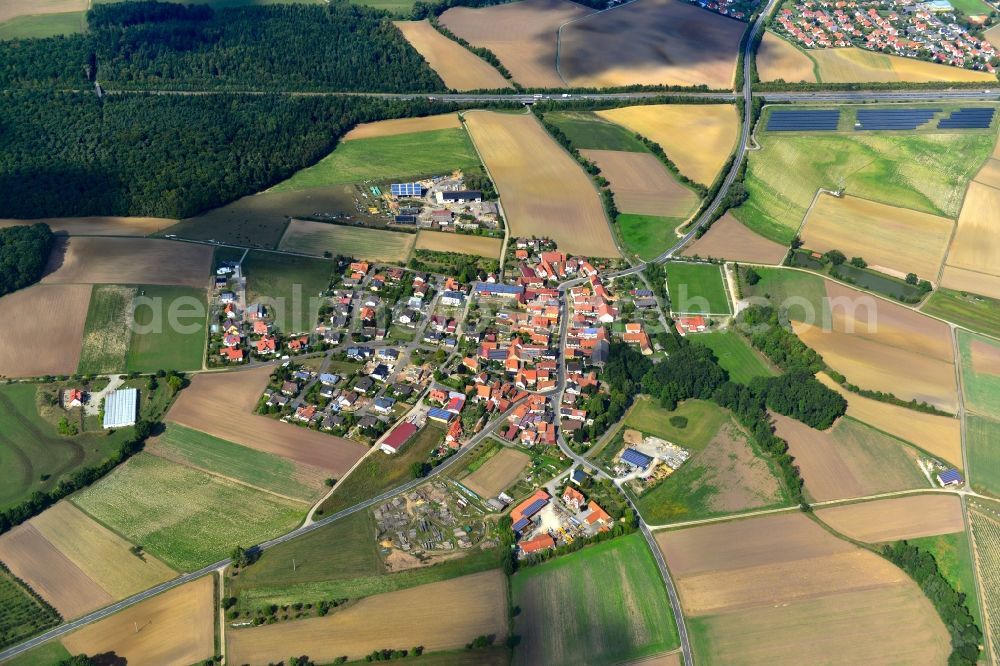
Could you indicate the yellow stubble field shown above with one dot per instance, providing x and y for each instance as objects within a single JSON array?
[
  {"x": 852, "y": 64},
  {"x": 642, "y": 184},
  {"x": 728, "y": 238},
  {"x": 403, "y": 126},
  {"x": 441, "y": 241},
  {"x": 975, "y": 249},
  {"x": 779, "y": 59},
  {"x": 99, "y": 226},
  {"x": 544, "y": 191},
  {"x": 897, "y": 518},
  {"x": 459, "y": 68}
]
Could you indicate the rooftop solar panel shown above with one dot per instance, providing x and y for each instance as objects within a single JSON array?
[{"x": 534, "y": 507}]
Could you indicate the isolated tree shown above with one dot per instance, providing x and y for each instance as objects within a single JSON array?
[
  {"x": 911, "y": 278},
  {"x": 859, "y": 262},
  {"x": 835, "y": 257}
]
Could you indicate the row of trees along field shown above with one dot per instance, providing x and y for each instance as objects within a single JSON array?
[
  {"x": 165, "y": 155},
  {"x": 24, "y": 251},
  {"x": 151, "y": 45}
]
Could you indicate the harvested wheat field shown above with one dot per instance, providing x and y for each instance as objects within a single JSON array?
[
  {"x": 543, "y": 190},
  {"x": 852, "y": 64},
  {"x": 521, "y": 34},
  {"x": 222, "y": 405},
  {"x": 99, "y": 226},
  {"x": 175, "y": 628},
  {"x": 317, "y": 238},
  {"x": 441, "y": 241},
  {"x": 30, "y": 557},
  {"x": 642, "y": 185},
  {"x": 654, "y": 42},
  {"x": 403, "y": 126},
  {"x": 794, "y": 593},
  {"x": 849, "y": 460},
  {"x": 976, "y": 246},
  {"x": 698, "y": 138},
  {"x": 41, "y": 332},
  {"x": 990, "y": 173},
  {"x": 883, "y": 346},
  {"x": 100, "y": 553},
  {"x": 497, "y": 473},
  {"x": 440, "y": 616},
  {"x": 728, "y": 238},
  {"x": 897, "y": 518},
  {"x": 778, "y": 59},
  {"x": 12, "y": 8},
  {"x": 896, "y": 240},
  {"x": 459, "y": 68},
  {"x": 128, "y": 261},
  {"x": 940, "y": 436}
]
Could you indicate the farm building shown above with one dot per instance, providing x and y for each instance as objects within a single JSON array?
[
  {"x": 438, "y": 414},
  {"x": 399, "y": 436},
  {"x": 530, "y": 506},
  {"x": 120, "y": 408},
  {"x": 540, "y": 542},
  {"x": 950, "y": 477},
  {"x": 636, "y": 459},
  {"x": 406, "y": 189},
  {"x": 459, "y": 196}
]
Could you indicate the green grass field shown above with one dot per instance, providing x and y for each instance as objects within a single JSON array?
[
  {"x": 358, "y": 242},
  {"x": 976, "y": 313},
  {"x": 704, "y": 420},
  {"x": 954, "y": 559},
  {"x": 169, "y": 347},
  {"x": 185, "y": 517},
  {"x": 398, "y": 6},
  {"x": 217, "y": 456},
  {"x": 971, "y": 7},
  {"x": 982, "y": 435},
  {"x": 587, "y": 131},
  {"x": 106, "y": 334},
  {"x": 339, "y": 561},
  {"x": 21, "y": 615},
  {"x": 431, "y": 153},
  {"x": 981, "y": 387},
  {"x": 647, "y": 235},
  {"x": 493, "y": 656},
  {"x": 605, "y": 604},
  {"x": 43, "y": 25},
  {"x": 290, "y": 285},
  {"x": 46, "y": 654},
  {"x": 735, "y": 355},
  {"x": 380, "y": 472},
  {"x": 697, "y": 289},
  {"x": 801, "y": 294},
  {"x": 33, "y": 456},
  {"x": 925, "y": 172}
]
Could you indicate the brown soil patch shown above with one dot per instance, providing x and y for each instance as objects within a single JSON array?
[
  {"x": 849, "y": 460},
  {"x": 41, "y": 331},
  {"x": 543, "y": 190},
  {"x": 222, "y": 405},
  {"x": 897, "y": 518},
  {"x": 459, "y": 68},
  {"x": 404, "y": 126},
  {"x": 729, "y": 239},
  {"x": 441, "y": 241},
  {"x": 976, "y": 246},
  {"x": 100, "y": 553},
  {"x": 653, "y": 42},
  {"x": 12, "y": 8},
  {"x": 985, "y": 357},
  {"x": 632, "y": 437},
  {"x": 175, "y": 628},
  {"x": 440, "y": 616},
  {"x": 743, "y": 480},
  {"x": 699, "y": 138},
  {"x": 497, "y": 473},
  {"x": 521, "y": 34},
  {"x": 886, "y": 236},
  {"x": 778, "y": 59},
  {"x": 99, "y": 226},
  {"x": 128, "y": 261},
  {"x": 887, "y": 347},
  {"x": 940, "y": 436},
  {"x": 51, "y": 574},
  {"x": 642, "y": 185}
]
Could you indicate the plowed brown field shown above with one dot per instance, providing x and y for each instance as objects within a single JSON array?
[
  {"x": 897, "y": 518},
  {"x": 497, "y": 473},
  {"x": 778, "y": 59},
  {"x": 128, "y": 261},
  {"x": 99, "y": 226},
  {"x": 642, "y": 185},
  {"x": 439, "y": 616},
  {"x": 222, "y": 404},
  {"x": 176, "y": 628},
  {"x": 403, "y": 126},
  {"x": 459, "y": 68},
  {"x": 41, "y": 331},
  {"x": 543, "y": 190},
  {"x": 653, "y": 42},
  {"x": 729, "y": 239}
]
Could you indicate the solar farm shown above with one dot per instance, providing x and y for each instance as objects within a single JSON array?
[
  {"x": 803, "y": 121},
  {"x": 880, "y": 119},
  {"x": 894, "y": 119},
  {"x": 972, "y": 118}
]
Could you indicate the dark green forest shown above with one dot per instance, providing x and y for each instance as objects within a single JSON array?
[
  {"x": 272, "y": 48},
  {"x": 24, "y": 251},
  {"x": 71, "y": 154}
]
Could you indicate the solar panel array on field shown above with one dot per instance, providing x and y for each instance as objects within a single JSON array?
[
  {"x": 893, "y": 119},
  {"x": 968, "y": 118},
  {"x": 803, "y": 121}
]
